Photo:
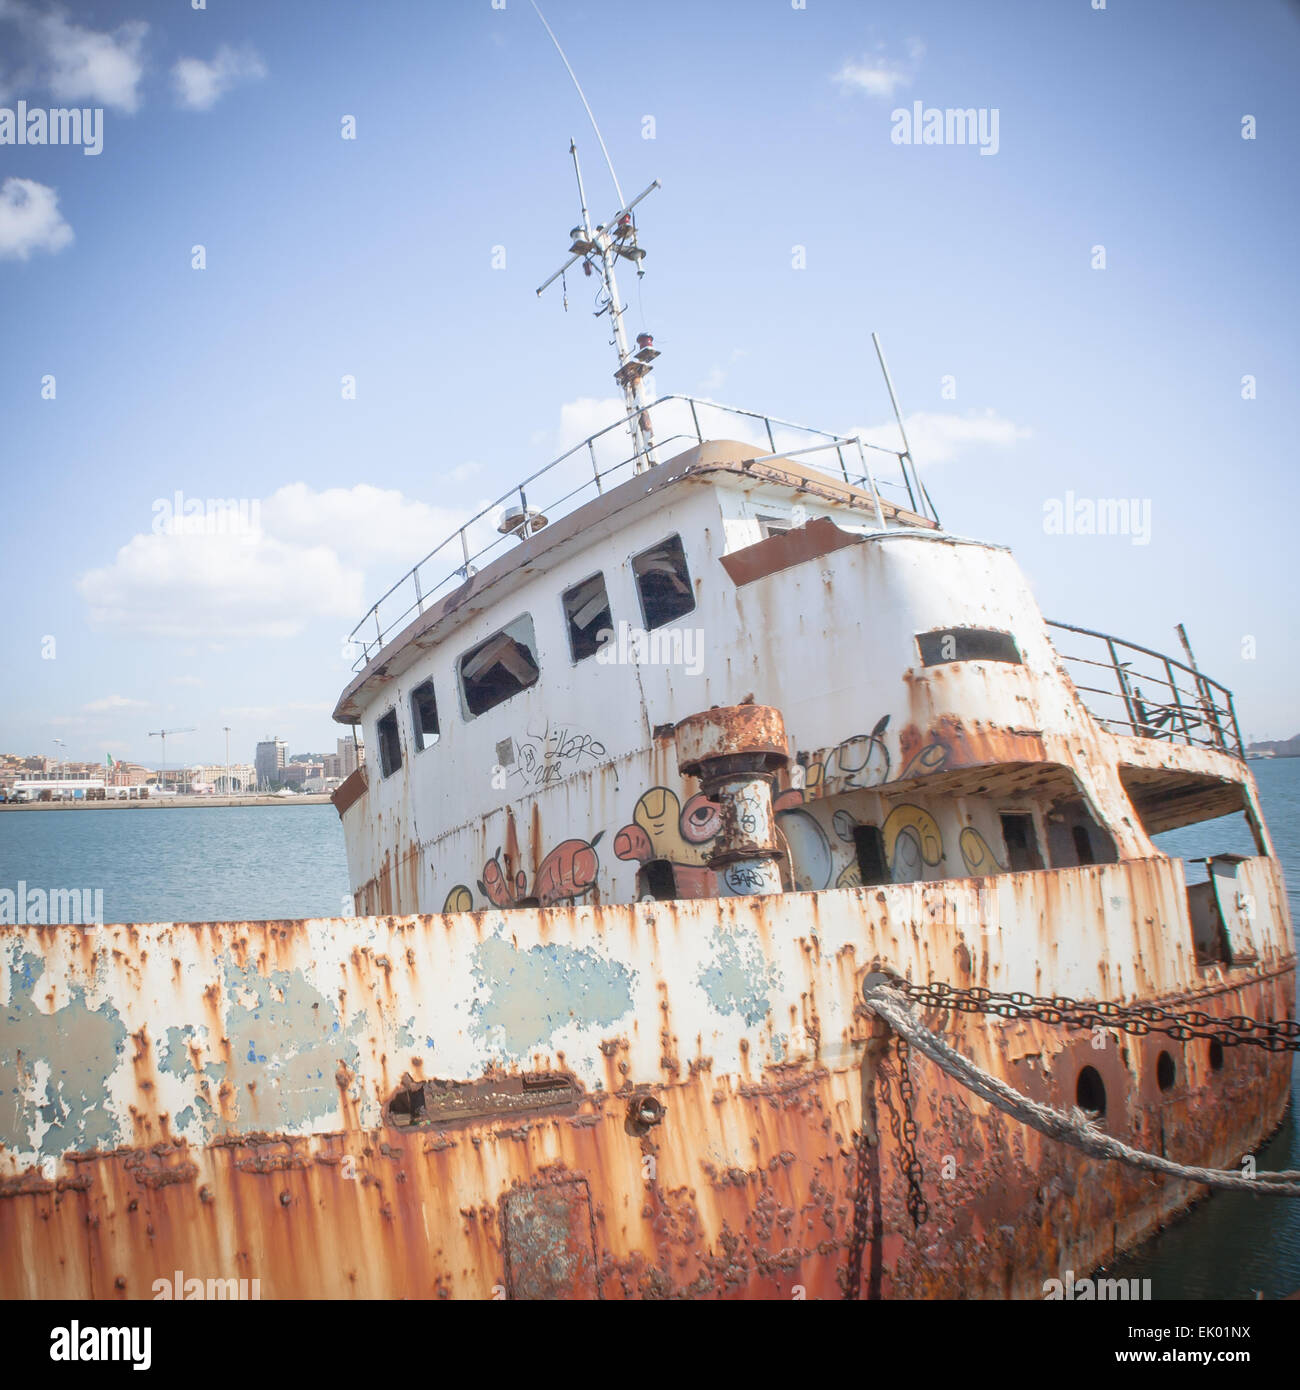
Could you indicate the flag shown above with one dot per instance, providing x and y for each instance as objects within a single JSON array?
[{"x": 108, "y": 761}]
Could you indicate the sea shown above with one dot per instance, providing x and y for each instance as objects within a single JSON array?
[{"x": 257, "y": 862}]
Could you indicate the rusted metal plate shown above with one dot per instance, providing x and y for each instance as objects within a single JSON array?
[{"x": 549, "y": 1241}]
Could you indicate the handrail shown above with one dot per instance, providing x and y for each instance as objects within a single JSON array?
[
  {"x": 373, "y": 630},
  {"x": 1189, "y": 714}
]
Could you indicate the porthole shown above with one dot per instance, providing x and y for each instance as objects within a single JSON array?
[
  {"x": 1090, "y": 1092},
  {"x": 1216, "y": 1055},
  {"x": 1166, "y": 1072}
]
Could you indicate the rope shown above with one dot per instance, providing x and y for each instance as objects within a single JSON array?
[{"x": 1075, "y": 1128}]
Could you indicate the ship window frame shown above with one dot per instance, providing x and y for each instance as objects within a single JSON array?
[
  {"x": 649, "y": 550},
  {"x": 387, "y": 765},
  {"x": 569, "y": 626},
  {"x": 926, "y": 645},
  {"x": 417, "y": 719},
  {"x": 1033, "y": 843},
  {"x": 504, "y": 630}
]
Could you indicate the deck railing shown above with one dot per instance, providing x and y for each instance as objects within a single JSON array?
[
  {"x": 583, "y": 471},
  {"x": 1132, "y": 689}
]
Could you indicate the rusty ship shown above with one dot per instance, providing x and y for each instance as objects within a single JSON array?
[{"x": 668, "y": 751}]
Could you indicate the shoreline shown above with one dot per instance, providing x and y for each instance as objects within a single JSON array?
[{"x": 171, "y": 803}]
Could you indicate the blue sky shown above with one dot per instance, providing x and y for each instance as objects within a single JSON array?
[{"x": 373, "y": 257}]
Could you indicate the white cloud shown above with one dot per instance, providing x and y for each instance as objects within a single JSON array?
[
  {"x": 879, "y": 75},
  {"x": 306, "y": 560},
  {"x": 200, "y": 85},
  {"x": 113, "y": 703},
  {"x": 938, "y": 437},
  {"x": 76, "y": 64},
  {"x": 263, "y": 713},
  {"x": 30, "y": 220}
]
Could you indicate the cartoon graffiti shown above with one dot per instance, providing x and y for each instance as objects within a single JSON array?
[
  {"x": 976, "y": 853},
  {"x": 459, "y": 899},
  {"x": 912, "y": 839},
  {"x": 929, "y": 758},
  {"x": 496, "y": 887},
  {"x": 662, "y": 828},
  {"x": 809, "y": 849},
  {"x": 567, "y": 873}
]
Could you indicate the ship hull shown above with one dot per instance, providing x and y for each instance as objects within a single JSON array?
[{"x": 232, "y": 1102}]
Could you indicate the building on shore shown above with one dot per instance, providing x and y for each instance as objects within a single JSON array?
[{"x": 269, "y": 761}]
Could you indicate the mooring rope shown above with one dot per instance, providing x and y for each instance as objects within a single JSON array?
[{"x": 1074, "y": 1128}]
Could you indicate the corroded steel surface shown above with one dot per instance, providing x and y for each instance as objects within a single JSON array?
[{"x": 235, "y": 1099}]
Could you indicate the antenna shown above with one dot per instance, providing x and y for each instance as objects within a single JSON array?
[
  {"x": 905, "y": 457},
  {"x": 598, "y": 248},
  {"x": 585, "y": 103}
]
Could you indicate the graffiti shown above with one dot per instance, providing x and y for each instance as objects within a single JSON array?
[
  {"x": 929, "y": 758},
  {"x": 542, "y": 759},
  {"x": 912, "y": 840},
  {"x": 977, "y": 855},
  {"x": 567, "y": 873},
  {"x": 742, "y": 879},
  {"x": 662, "y": 828},
  {"x": 858, "y": 762},
  {"x": 808, "y": 848},
  {"x": 459, "y": 899}
]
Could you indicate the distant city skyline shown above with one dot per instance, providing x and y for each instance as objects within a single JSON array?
[{"x": 292, "y": 267}]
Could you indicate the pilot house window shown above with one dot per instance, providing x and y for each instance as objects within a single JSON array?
[
  {"x": 586, "y": 611},
  {"x": 966, "y": 644},
  {"x": 663, "y": 582},
  {"x": 424, "y": 716},
  {"x": 500, "y": 667},
  {"x": 390, "y": 744}
]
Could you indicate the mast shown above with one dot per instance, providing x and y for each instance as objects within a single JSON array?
[{"x": 599, "y": 248}]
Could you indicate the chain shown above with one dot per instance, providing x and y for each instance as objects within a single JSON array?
[
  {"x": 916, "y": 1204},
  {"x": 1135, "y": 1019}
]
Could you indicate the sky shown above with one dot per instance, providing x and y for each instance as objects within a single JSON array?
[{"x": 1098, "y": 304}]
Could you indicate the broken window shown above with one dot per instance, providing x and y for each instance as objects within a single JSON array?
[
  {"x": 500, "y": 667},
  {"x": 869, "y": 845},
  {"x": 966, "y": 644},
  {"x": 586, "y": 611},
  {"x": 663, "y": 583},
  {"x": 424, "y": 716},
  {"x": 1021, "y": 842},
  {"x": 390, "y": 744}
]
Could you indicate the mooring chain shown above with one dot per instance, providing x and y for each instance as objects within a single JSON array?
[
  {"x": 917, "y": 1208},
  {"x": 890, "y": 1000},
  {"x": 1136, "y": 1019}
]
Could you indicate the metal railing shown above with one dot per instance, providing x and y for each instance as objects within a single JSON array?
[
  {"x": 1152, "y": 695},
  {"x": 580, "y": 473}
]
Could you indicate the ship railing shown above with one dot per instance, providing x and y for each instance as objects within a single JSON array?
[
  {"x": 584, "y": 471},
  {"x": 1131, "y": 689}
]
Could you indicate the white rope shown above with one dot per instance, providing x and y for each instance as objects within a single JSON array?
[{"x": 1075, "y": 1128}]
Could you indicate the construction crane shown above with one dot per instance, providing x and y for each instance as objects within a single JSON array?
[{"x": 162, "y": 734}]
